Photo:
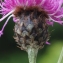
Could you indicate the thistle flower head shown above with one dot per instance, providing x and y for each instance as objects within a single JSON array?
[{"x": 13, "y": 8}]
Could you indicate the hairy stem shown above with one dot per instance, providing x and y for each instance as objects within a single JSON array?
[{"x": 32, "y": 54}]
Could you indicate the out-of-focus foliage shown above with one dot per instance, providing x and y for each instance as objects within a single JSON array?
[{"x": 52, "y": 53}]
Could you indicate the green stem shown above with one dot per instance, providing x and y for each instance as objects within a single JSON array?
[
  {"x": 60, "y": 57},
  {"x": 32, "y": 54}
]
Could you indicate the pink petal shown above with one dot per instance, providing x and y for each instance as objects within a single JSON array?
[
  {"x": 47, "y": 43},
  {"x": 58, "y": 20},
  {"x": 1, "y": 33},
  {"x": 50, "y": 22},
  {"x": 59, "y": 13}
]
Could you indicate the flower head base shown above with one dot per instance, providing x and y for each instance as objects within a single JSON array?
[
  {"x": 13, "y": 8},
  {"x": 31, "y": 28}
]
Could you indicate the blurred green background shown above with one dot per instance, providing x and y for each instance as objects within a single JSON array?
[{"x": 9, "y": 53}]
